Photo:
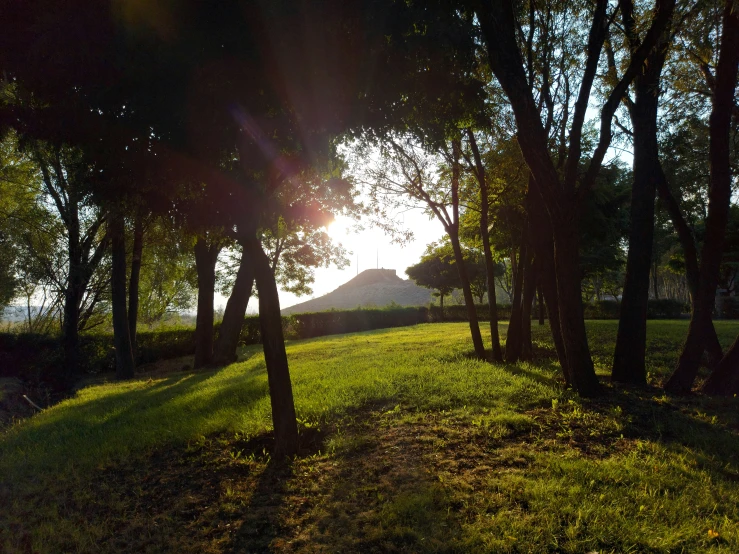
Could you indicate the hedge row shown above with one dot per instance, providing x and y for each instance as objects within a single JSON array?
[
  {"x": 605, "y": 309},
  {"x": 36, "y": 354}
]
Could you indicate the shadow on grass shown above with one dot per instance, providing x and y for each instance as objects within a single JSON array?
[
  {"x": 101, "y": 428},
  {"x": 707, "y": 426},
  {"x": 373, "y": 494}
]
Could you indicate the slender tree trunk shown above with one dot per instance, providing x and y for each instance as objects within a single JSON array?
[
  {"x": 206, "y": 257},
  {"x": 685, "y": 235},
  {"x": 529, "y": 292},
  {"x": 224, "y": 351},
  {"x": 278, "y": 373},
  {"x": 469, "y": 300},
  {"x": 543, "y": 241},
  {"x": 631, "y": 341},
  {"x": 513, "y": 336},
  {"x": 75, "y": 290},
  {"x": 540, "y": 299},
  {"x": 487, "y": 253},
  {"x": 133, "y": 286},
  {"x": 719, "y": 197},
  {"x": 70, "y": 323},
  {"x": 123, "y": 354}
]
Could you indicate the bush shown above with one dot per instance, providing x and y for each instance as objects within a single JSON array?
[
  {"x": 305, "y": 326},
  {"x": 656, "y": 309}
]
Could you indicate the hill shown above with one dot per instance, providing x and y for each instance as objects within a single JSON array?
[{"x": 372, "y": 287}]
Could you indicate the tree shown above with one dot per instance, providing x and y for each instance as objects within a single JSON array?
[
  {"x": 561, "y": 191},
  {"x": 719, "y": 198},
  {"x": 629, "y": 357},
  {"x": 408, "y": 175},
  {"x": 437, "y": 270}
]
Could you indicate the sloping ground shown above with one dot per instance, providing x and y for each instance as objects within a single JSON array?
[
  {"x": 373, "y": 287},
  {"x": 408, "y": 445}
]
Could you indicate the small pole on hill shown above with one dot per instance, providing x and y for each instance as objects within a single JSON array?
[{"x": 378, "y": 258}]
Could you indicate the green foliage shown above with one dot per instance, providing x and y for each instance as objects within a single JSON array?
[
  {"x": 438, "y": 269},
  {"x": 665, "y": 308},
  {"x": 168, "y": 280}
]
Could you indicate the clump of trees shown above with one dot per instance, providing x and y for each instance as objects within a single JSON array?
[{"x": 185, "y": 133}]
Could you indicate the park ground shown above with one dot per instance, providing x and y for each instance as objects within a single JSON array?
[{"x": 407, "y": 445}]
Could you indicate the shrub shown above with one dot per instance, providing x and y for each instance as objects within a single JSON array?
[{"x": 656, "y": 309}]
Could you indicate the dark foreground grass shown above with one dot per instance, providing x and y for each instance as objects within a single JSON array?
[{"x": 408, "y": 445}]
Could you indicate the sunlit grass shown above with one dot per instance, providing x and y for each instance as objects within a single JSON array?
[{"x": 429, "y": 449}]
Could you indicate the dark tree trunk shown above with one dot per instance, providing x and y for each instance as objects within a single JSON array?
[
  {"x": 631, "y": 340},
  {"x": 224, "y": 351},
  {"x": 540, "y": 300},
  {"x": 724, "y": 380},
  {"x": 719, "y": 197},
  {"x": 124, "y": 367},
  {"x": 206, "y": 257},
  {"x": 133, "y": 286},
  {"x": 469, "y": 300},
  {"x": 571, "y": 316},
  {"x": 487, "y": 253},
  {"x": 513, "y": 336},
  {"x": 529, "y": 291},
  {"x": 543, "y": 241},
  {"x": 273, "y": 342},
  {"x": 76, "y": 285},
  {"x": 72, "y": 300},
  {"x": 685, "y": 235}
]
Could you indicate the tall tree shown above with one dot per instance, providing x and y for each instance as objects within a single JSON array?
[
  {"x": 561, "y": 194},
  {"x": 719, "y": 198},
  {"x": 408, "y": 174},
  {"x": 207, "y": 249},
  {"x": 629, "y": 364}
]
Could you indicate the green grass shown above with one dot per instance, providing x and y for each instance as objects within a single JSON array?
[{"x": 409, "y": 445}]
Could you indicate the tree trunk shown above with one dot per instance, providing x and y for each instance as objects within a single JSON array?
[
  {"x": 543, "y": 241},
  {"x": 124, "y": 367},
  {"x": 631, "y": 340},
  {"x": 133, "y": 287},
  {"x": 719, "y": 197},
  {"x": 76, "y": 285},
  {"x": 540, "y": 299},
  {"x": 487, "y": 253},
  {"x": 513, "y": 336},
  {"x": 685, "y": 235},
  {"x": 724, "y": 380},
  {"x": 469, "y": 300},
  {"x": 206, "y": 257},
  {"x": 278, "y": 373},
  {"x": 571, "y": 317},
  {"x": 224, "y": 351},
  {"x": 529, "y": 292},
  {"x": 72, "y": 300}
]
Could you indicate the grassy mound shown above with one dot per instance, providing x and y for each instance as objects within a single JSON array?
[{"x": 408, "y": 445}]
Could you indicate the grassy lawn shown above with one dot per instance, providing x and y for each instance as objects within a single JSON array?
[{"x": 408, "y": 445}]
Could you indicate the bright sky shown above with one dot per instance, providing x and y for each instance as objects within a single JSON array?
[{"x": 367, "y": 247}]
